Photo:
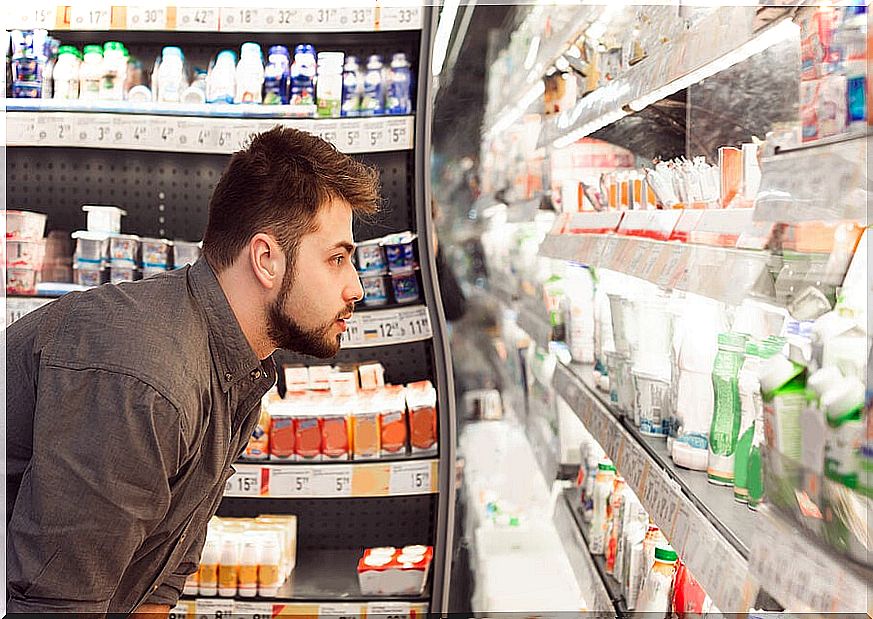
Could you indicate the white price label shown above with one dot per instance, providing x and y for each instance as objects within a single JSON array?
[
  {"x": 197, "y": 19},
  {"x": 321, "y": 19},
  {"x": 281, "y": 19},
  {"x": 20, "y": 129},
  {"x": 354, "y": 333},
  {"x": 375, "y": 136},
  {"x": 290, "y": 481},
  {"x": 634, "y": 466},
  {"x": 64, "y": 132},
  {"x": 83, "y": 130},
  {"x": 410, "y": 478},
  {"x": 16, "y": 308},
  {"x": 612, "y": 442},
  {"x": 332, "y": 481},
  {"x": 224, "y": 139},
  {"x": 30, "y": 18},
  {"x": 122, "y": 131},
  {"x": 357, "y": 18},
  {"x": 339, "y": 611},
  {"x": 351, "y": 137},
  {"x": 45, "y": 128},
  {"x": 242, "y": 134},
  {"x": 246, "y": 482},
  {"x": 164, "y": 130},
  {"x": 90, "y": 17},
  {"x": 400, "y": 18},
  {"x": 146, "y": 18},
  {"x": 729, "y": 593},
  {"x": 633, "y": 265},
  {"x": 408, "y": 325},
  {"x": 398, "y": 134},
  {"x": 607, "y": 253},
  {"x": 253, "y": 610},
  {"x": 327, "y": 131},
  {"x": 651, "y": 259},
  {"x": 388, "y": 610},
  {"x": 681, "y": 528},
  {"x": 140, "y": 133},
  {"x": 660, "y": 500},
  {"x": 214, "y": 608},
  {"x": 240, "y": 19}
]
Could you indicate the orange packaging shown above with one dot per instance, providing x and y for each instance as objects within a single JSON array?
[
  {"x": 730, "y": 163},
  {"x": 421, "y": 402},
  {"x": 296, "y": 378},
  {"x": 393, "y": 422},
  {"x": 372, "y": 375},
  {"x": 366, "y": 431},
  {"x": 308, "y": 437},
  {"x": 283, "y": 438},
  {"x": 336, "y": 433},
  {"x": 258, "y": 447}
]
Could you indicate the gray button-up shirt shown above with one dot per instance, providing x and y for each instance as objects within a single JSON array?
[{"x": 126, "y": 408}]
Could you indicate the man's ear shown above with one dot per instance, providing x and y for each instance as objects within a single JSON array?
[{"x": 267, "y": 260}]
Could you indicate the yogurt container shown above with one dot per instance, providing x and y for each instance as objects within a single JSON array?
[
  {"x": 25, "y": 254},
  {"x": 24, "y": 225},
  {"x": 405, "y": 287},
  {"x": 371, "y": 257},
  {"x": 185, "y": 252},
  {"x": 399, "y": 252},
  {"x": 21, "y": 280},
  {"x": 375, "y": 290},
  {"x": 156, "y": 253},
  {"x": 152, "y": 271},
  {"x": 124, "y": 250},
  {"x": 87, "y": 274},
  {"x": 91, "y": 247},
  {"x": 118, "y": 274},
  {"x": 104, "y": 218},
  {"x": 653, "y": 396}
]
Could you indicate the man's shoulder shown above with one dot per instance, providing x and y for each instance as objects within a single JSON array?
[{"x": 152, "y": 330}]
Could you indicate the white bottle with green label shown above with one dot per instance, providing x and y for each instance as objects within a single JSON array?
[{"x": 783, "y": 387}]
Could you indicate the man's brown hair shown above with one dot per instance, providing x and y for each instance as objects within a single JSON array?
[{"x": 277, "y": 185}]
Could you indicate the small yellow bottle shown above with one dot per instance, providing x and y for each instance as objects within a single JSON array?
[
  {"x": 228, "y": 569},
  {"x": 248, "y": 567},
  {"x": 208, "y": 575},
  {"x": 269, "y": 568}
]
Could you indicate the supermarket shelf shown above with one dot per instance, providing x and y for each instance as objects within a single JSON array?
[
  {"x": 779, "y": 543},
  {"x": 534, "y": 324},
  {"x": 321, "y": 580},
  {"x": 825, "y": 180},
  {"x": 384, "y": 327},
  {"x": 608, "y": 593},
  {"x": 698, "y": 269},
  {"x": 193, "y": 128},
  {"x": 19, "y": 306},
  {"x": 334, "y": 480},
  {"x": 710, "y": 532},
  {"x": 544, "y": 445},
  {"x": 101, "y": 17}
]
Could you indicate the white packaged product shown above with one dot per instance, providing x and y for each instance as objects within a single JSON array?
[
  {"x": 599, "y": 521},
  {"x": 221, "y": 80},
  {"x": 250, "y": 557},
  {"x": 657, "y": 590},
  {"x": 114, "y": 72},
  {"x": 250, "y": 74},
  {"x": 91, "y": 73},
  {"x": 105, "y": 219},
  {"x": 228, "y": 568},
  {"x": 172, "y": 80},
  {"x": 66, "y": 73},
  {"x": 209, "y": 560},
  {"x": 270, "y": 568}
]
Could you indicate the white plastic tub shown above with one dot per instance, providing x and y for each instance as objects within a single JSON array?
[
  {"x": 87, "y": 274},
  {"x": 104, "y": 218},
  {"x": 185, "y": 252},
  {"x": 124, "y": 250},
  {"x": 24, "y": 225},
  {"x": 156, "y": 252},
  {"x": 21, "y": 280},
  {"x": 91, "y": 246},
  {"x": 25, "y": 254}
]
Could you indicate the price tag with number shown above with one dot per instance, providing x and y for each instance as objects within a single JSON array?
[
  {"x": 332, "y": 481},
  {"x": 351, "y": 137},
  {"x": 290, "y": 481},
  {"x": 388, "y": 610},
  {"x": 164, "y": 130},
  {"x": 612, "y": 443},
  {"x": 357, "y": 18},
  {"x": 217, "y": 608},
  {"x": 146, "y": 18},
  {"x": 660, "y": 500},
  {"x": 399, "y": 133},
  {"x": 90, "y": 17},
  {"x": 140, "y": 132},
  {"x": 354, "y": 333},
  {"x": 183, "y": 610},
  {"x": 253, "y": 610},
  {"x": 400, "y": 18},
  {"x": 246, "y": 482},
  {"x": 64, "y": 131},
  {"x": 30, "y": 18},
  {"x": 637, "y": 251},
  {"x": 327, "y": 130},
  {"x": 197, "y": 19},
  {"x": 410, "y": 478},
  {"x": 240, "y": 19},
  {"x": 281, "y": 20},
  {"x": 650, "y": 260},
  {"x": 374, "y": 136},
  {"x": 339, "y": 611},
  {"x": 634, "y": 466}
]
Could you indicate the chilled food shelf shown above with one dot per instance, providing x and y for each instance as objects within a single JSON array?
[
  {"x": 698, "y": 269},
  {"x": 718, "y": 561},
  {"x": 535, "y": 324},
  {"x": 611, "y": 585},
  {"x": 197, "y": 133},
  {"x": 361, "y": 17},
  {"x": 300, "y": 480}
]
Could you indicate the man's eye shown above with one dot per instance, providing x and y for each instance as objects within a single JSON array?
[{"x": 338, "y": 260}]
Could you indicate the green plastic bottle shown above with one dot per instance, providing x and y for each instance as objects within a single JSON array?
[{"x": 727, "y": 413}]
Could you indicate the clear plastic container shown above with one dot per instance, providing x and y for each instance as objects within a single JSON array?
[
  {"x": 185, "y": 252},
  {"x": 104, "y": 218},
  {"x": 91, "y": 247},
  {"x": 124, "y": 250},
  {"x": 87, "y": 274},
  {"x": 24, "y": 225},
  {"x": 21, "y": 280},
  {"x": 119, "y": 274},
  {"x": 156, "y": 252},
  {"x": 25, "y": 254},
  {"x": 653, "y": 397}
]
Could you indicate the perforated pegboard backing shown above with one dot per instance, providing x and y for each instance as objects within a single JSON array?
[
  {"x": 335, "y": 524},
  {"x": 164, "y": 194},
  {"x": 404, "y": 363}
]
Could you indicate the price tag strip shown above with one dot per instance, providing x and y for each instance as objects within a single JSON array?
[
  {"x": 91, "y": 17},
  {"x": 246, "y": 482},
  {"x": 18, "y": 307},
  {"x": 413, "y": 478},
  {"x": 384, "y": 327},
  {"x": 207, "y": 608},
  {"x": 389, "y": 610},
  {"x": 253, "y": 610},
  {"x": 44, "y": 17},
  {"x": 197, "y": 134},
  {"x": 340, "y": 611}
]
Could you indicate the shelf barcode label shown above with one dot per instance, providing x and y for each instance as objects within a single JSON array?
[
  {"x": 634, "y": 467},
  {"x": 410, "y": 478}
]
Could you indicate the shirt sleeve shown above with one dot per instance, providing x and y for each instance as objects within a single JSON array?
[
  {"x": 105, "y": 445},
  {"x": 170, "y": 590}
]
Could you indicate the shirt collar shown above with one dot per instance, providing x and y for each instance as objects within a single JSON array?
[{"x": 234, "y": 359}]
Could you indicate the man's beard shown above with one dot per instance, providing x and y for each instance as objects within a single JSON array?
[{"x": 285, "y": 333}]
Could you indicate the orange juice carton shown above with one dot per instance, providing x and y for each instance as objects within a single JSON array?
[{"x": 421, "y": 403}]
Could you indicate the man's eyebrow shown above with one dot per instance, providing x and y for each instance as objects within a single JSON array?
[{"x": 349, "y": 247}]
